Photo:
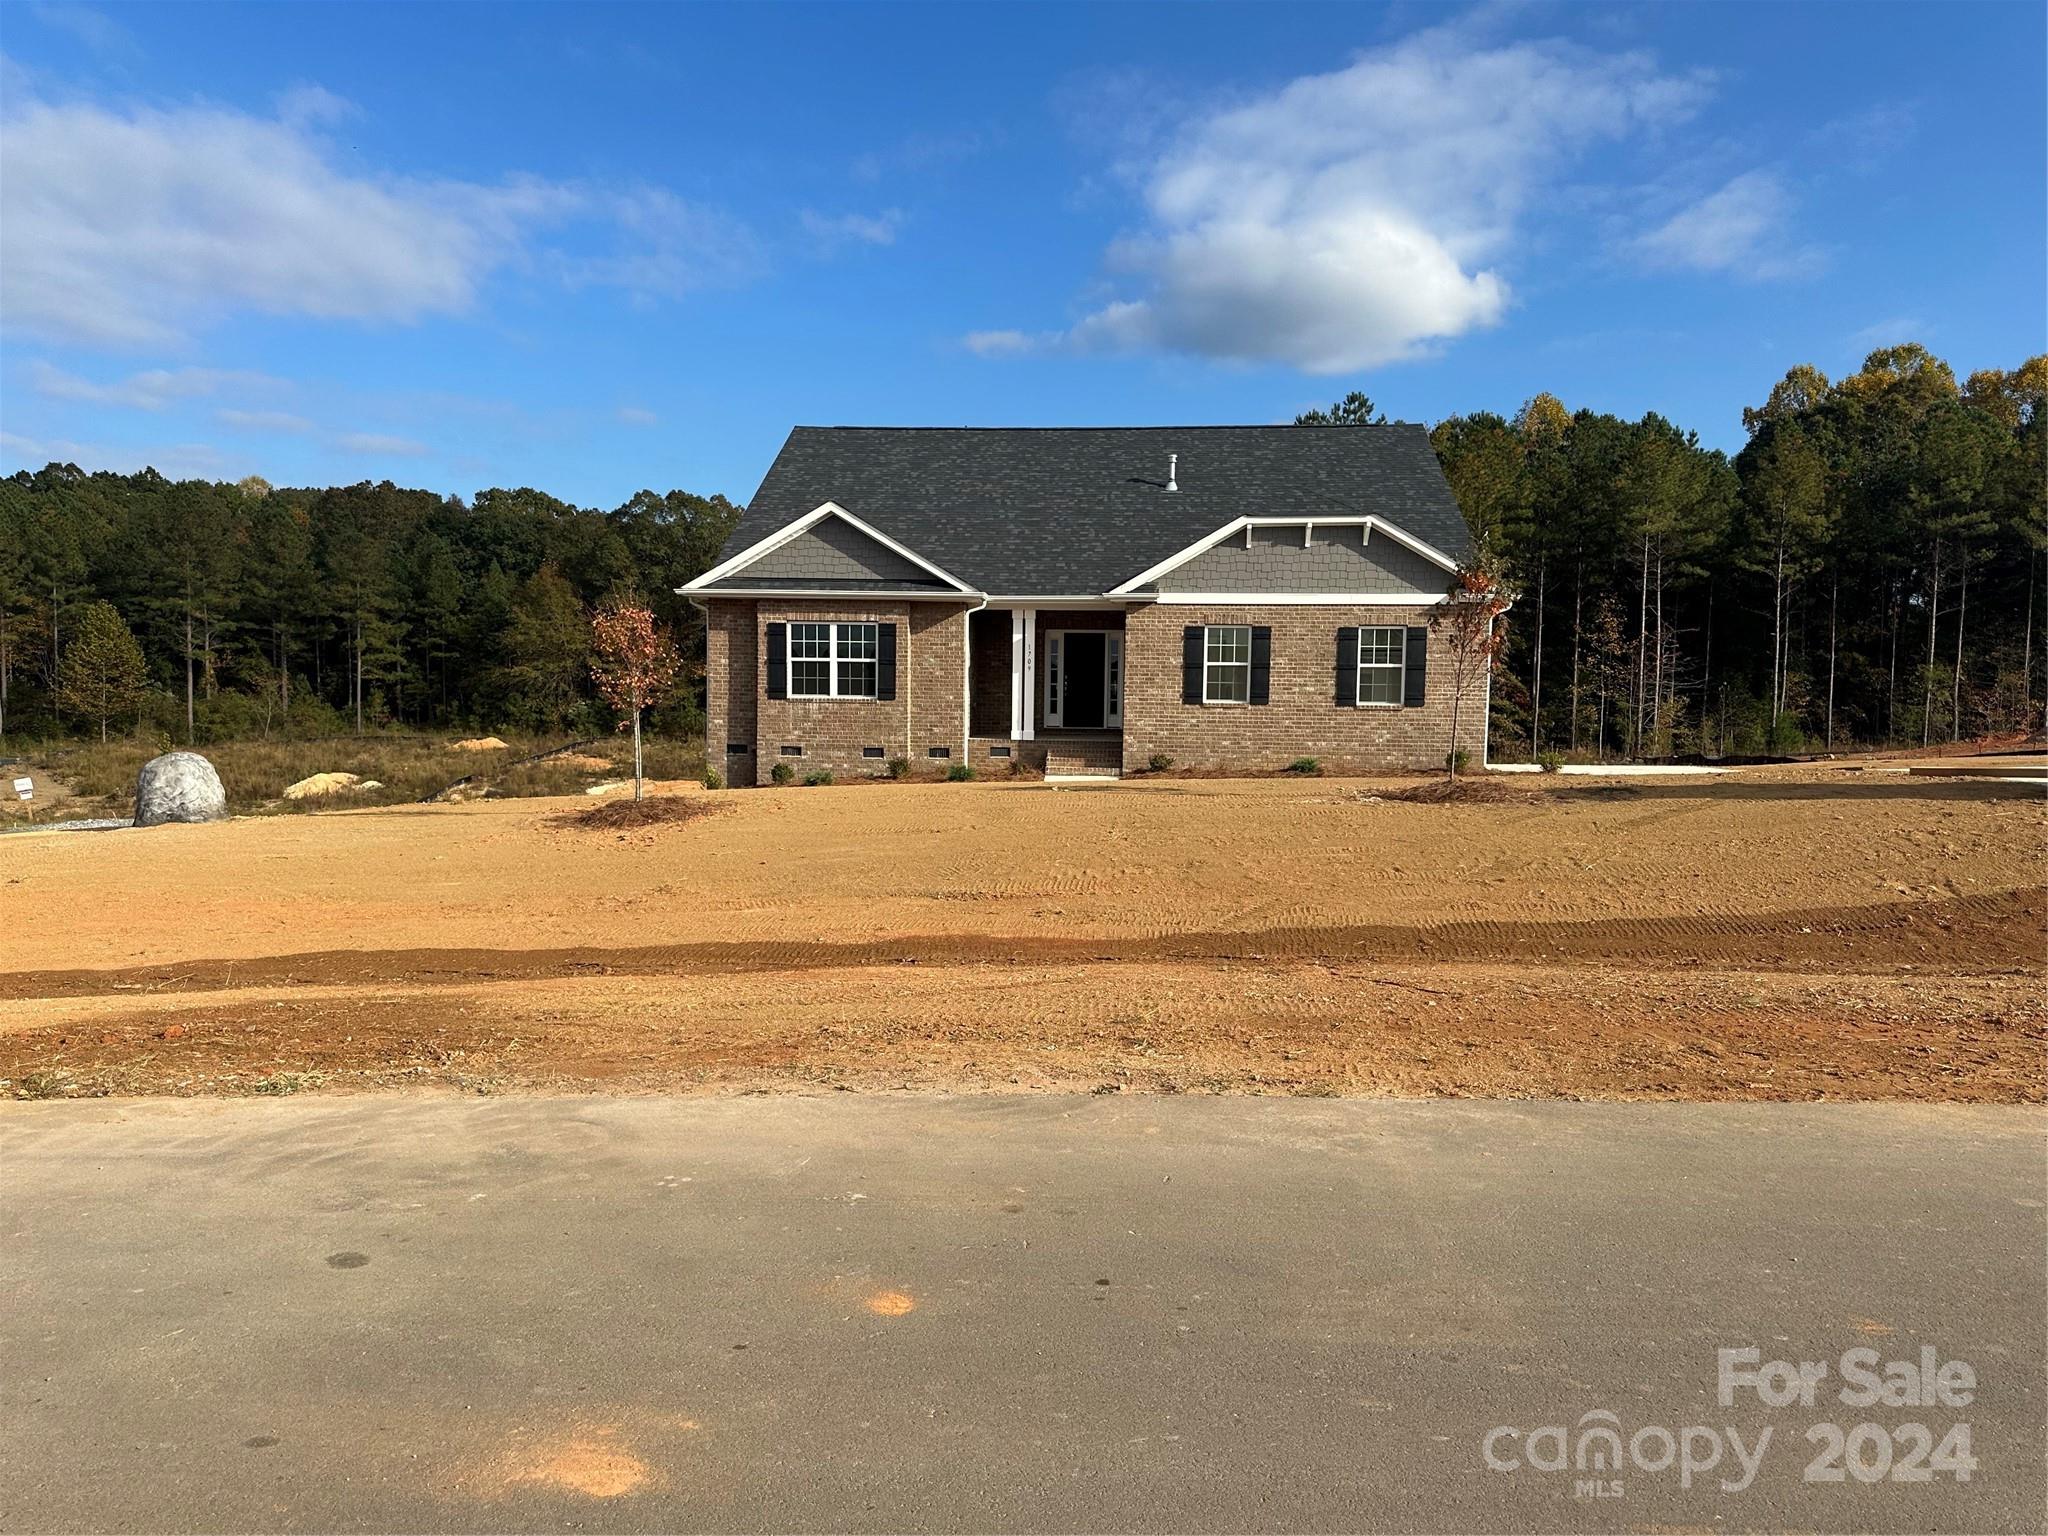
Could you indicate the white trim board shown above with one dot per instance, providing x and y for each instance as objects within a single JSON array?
[
  {"x": 1300, "y": 599},
  {"x": 836, "y": 594},
  {"x": 999, "y": 600},
  {"x": 1243, "y": 525},
  {"x": 804, "y": 524}
]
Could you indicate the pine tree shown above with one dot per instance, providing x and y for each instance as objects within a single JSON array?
[{"x": 102, "y": 674}]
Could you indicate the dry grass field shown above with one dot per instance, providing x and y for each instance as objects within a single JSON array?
[{"x": 1779, "y": 933}]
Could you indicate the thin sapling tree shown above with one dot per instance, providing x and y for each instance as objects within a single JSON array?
[
  {"x": 635, "y": 664},
  {"x": 1470, "y": 619}
]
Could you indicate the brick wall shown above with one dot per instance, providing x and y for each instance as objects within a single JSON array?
[
  {"x": 732, "y": 672},
  {"x": 929, "y": 709},
  {"x": 989, "y": 672},
  {"x": 1303, "y": 718}
]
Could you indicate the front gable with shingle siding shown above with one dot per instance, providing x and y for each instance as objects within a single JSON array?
[
  {"x": 1323, "y": 560},
  {"x": 833, "y": 555}
]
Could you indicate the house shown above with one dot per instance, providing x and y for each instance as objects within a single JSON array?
[{"x": 1083, "y": 599}]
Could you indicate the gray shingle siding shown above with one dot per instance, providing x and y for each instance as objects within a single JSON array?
[
  {"x": 1336, "y": 560},
  {"x": 835, "y": 555},
  {"x": 1080, "y": 510}
]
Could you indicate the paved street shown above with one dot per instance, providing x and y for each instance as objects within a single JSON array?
[{"x": 995, "y": 1314}]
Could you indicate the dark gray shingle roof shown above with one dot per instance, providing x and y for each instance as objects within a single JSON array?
[{"x": 1039, "y": 511}]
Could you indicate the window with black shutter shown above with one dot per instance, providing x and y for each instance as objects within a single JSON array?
[
  {"x": 1418, "y": 661},
  {"x": 777, "y": 682},
  {"x": 885, "y": 661}
]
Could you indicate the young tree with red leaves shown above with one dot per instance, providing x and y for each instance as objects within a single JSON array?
[
  {"x": 635, "y": 665},
  {"x": 1470, "y": 618}
]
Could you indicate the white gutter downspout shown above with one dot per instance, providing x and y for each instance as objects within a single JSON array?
[{"x": 967, "y": 680}]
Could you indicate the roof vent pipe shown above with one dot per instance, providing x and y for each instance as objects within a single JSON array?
[{"x": 1172, "y": 463}]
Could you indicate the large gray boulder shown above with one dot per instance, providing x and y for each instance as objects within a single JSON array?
[{"x": 179, "y": 786}]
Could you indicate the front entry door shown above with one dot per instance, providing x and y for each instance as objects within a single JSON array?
[
  {"x": 1084, "y": 679},
  {"x": 1087, "y": 692}
]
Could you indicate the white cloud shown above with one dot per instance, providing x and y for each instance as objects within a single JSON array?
[
  {"x": 1356, "y": 218},
  {"x": 96, "y": 29},
  {"x": 177, "y": 461},
  {"x": 154, "y": 389},
  {"x": 834, "y": 230},
  {"x": 637, "y": 416},
  {"x": 137, "y": 226},
  {"x": 999, "y": 343},
  {"x": 379, "y": 445},
  {"x": 308, "y": 103},
  {"x": 1740, "y": 228},
  {"x": 262, "y": 421},
  {"x": 667, "y": 247},
  {"x": 1889, "y": 333},
  {"x": 920, "y": 153}
]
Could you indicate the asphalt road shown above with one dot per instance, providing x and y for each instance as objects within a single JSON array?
[{"x": 999, "y": 1314}]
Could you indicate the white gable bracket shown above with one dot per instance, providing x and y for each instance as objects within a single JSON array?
[{"x": 1245, "y": 525}]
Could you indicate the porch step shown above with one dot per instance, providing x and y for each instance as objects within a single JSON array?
[{"x": 1084, "y": 760}]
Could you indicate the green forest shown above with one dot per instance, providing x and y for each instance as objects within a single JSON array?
[
  {"x": 261, "y": 610},
  {"x": 1866, "y": 570}
]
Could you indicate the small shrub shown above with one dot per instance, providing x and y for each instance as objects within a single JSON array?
[
  {"x": 285, "y": 1082},
  {"x": 624, "y": 815},
  {"x": 1307, "y": 767},
  {"x": 1550, "y": 762},
  {"x": 782, "y": 773},
  {"x": 818, "y": 776},
  {"x": 712, "y": 780},
  {"x": 1159, "y": 762},
  {"x": 46, "y": 1083},
  {"x": 899, "y": 767},
  {"x": 1458, "y": 760},
  {"x": 959, "y": 773}
]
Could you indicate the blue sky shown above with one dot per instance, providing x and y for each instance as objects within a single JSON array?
[{"x": 598, "y": 248}]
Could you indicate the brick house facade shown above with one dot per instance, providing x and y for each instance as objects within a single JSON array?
[
  {"x": 750, "y": 732},
  {"x": 1033, "y": 596}
]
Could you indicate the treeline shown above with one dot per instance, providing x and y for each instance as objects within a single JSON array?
[
  {"x": 263, "y": 610},
  {"x": 1868, "y": 569}
]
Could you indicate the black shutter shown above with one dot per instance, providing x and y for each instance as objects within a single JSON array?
[
  {"x": 1347, "y": 665},
  {"x": 1262, "y": 664},
  {"x": 885, "y": 661},
  {"x": 1192, "y": 640},
  {"x": 777, "y": 684},
  {"x": 1418, "y": 663}
]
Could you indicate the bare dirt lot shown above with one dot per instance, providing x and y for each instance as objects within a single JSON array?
[{"x": 1778, "y": 933}]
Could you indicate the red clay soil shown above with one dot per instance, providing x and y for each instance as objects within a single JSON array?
[{"x": 1778, "y": 933}]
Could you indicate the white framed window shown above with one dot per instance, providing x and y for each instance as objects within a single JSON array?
[
  {"x": 1382, "y": 660},
  {"x": 1227, "y": 664},
  {"x": 832, "y": 661}
]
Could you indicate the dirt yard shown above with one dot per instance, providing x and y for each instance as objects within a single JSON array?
[{"x": 1777, "y": 933}]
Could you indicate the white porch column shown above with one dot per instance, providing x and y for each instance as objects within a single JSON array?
[
  {"x": 1017, "y": 695},
  {"x": 1026, "y": 695}
]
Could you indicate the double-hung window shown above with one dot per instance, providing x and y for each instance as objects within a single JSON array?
[
  {"x": 1381, "y": 656},
  {"x": 832, "y": 661},
  {"x": 1227, "y": 664}
]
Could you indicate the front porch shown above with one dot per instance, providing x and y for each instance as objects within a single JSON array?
[{"x": 1048, "y": 685}]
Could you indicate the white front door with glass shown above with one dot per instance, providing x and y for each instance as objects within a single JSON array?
[{"x": 1084, "y": 679}]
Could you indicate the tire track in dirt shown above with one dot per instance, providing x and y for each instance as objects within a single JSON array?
[{"x": 2000, "y": 932}]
